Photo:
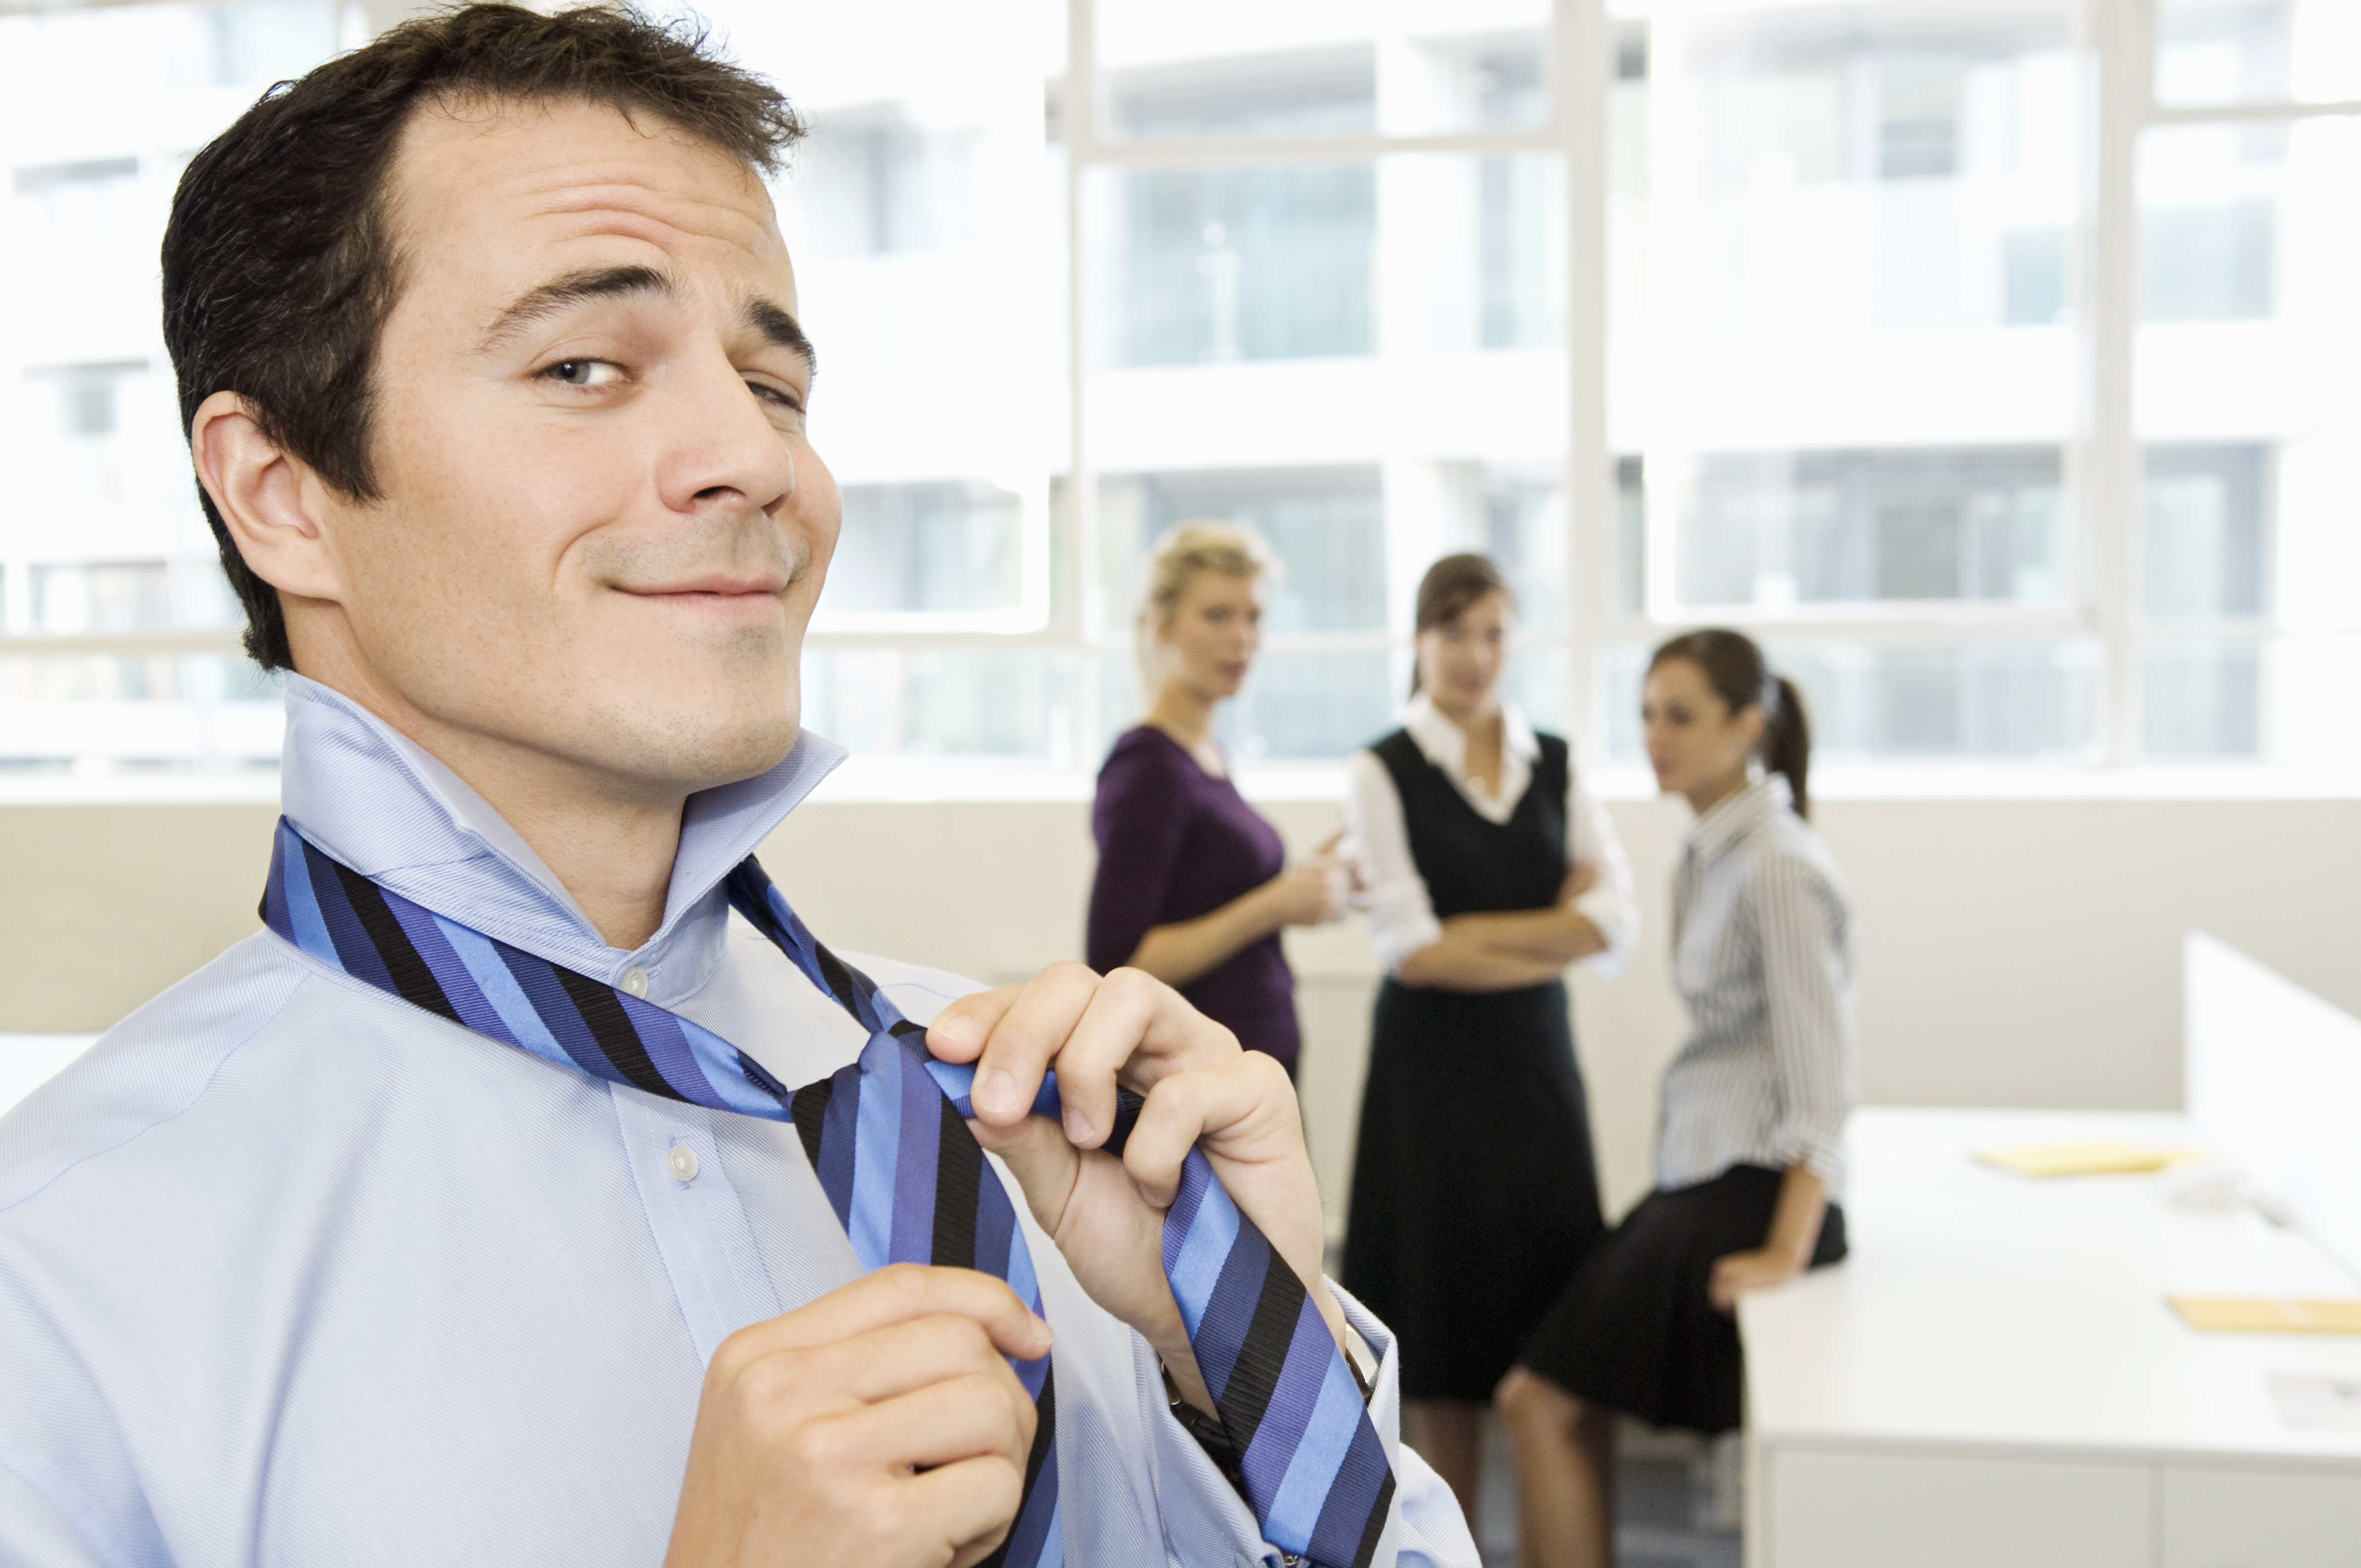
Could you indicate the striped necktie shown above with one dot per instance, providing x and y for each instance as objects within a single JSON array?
[{"x": 888, "y": 1138}]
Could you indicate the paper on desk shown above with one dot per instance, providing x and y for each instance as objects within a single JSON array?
[
  {"x": 2268, "y": 1315},
  {"x": 2309, "y": 1399},
  {"x": 2095, "y": 1156}
]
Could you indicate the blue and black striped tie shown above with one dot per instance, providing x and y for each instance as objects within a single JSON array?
[{"x": 889, "y": 1139}]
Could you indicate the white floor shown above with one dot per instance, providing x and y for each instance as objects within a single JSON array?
[{"x": 28, "y": 1061}]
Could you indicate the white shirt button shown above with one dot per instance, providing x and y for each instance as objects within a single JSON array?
[
  {"x": 681, "y": 1160},
  {"x": 635, "y": 981}
]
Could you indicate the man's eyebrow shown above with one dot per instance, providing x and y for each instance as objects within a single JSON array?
[
  {"x": 564, "y": 294},
  {"x": 780, "y": 329}
]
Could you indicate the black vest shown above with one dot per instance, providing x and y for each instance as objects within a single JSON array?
[{"x": 1472, "y": 865}]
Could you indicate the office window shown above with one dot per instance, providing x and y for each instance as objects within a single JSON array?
[
  {"x": 946, "y": 547},
  {"x": 1263, "y": 93},
  {"x": 1785, "y": 529},
  {"x": 2247, "y": 554},
  {"x": 1217, "y": 265},
  {"x": 2212, "y": 53},
  {"x": 1833, "y": 346},
  {"x": 117, "y": 632}
]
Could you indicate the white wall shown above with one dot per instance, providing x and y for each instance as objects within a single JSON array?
[{"x": 2015, "y": 953}]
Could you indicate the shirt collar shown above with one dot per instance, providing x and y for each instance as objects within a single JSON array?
[
  {"x": 1731, "y": 818},
  {"x": 369, "y": 796},
  {"x": 1445, "y": 744}
]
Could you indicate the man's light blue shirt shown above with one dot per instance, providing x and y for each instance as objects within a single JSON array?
[{"x": 292, "y": 1272}]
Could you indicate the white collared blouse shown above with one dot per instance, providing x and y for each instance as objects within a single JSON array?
[
  {"x": 1764, "y": 955},
  {"x": 1401, "y": 914}
]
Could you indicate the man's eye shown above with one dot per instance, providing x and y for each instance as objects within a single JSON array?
[{"x": 582, "y": 372}]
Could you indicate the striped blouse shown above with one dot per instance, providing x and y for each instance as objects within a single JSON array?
[{"x": 1762, "y": 954}]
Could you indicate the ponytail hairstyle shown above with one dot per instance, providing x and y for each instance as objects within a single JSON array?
[
  {"x": 1450, "y": 585},
  {"x": 1183, "y": 551},
  {"x": 1734, "y": 667}
]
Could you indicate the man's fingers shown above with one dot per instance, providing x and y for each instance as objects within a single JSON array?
[
  {"x": 1044, "y": 1162},
  {"x": 887, "y": 1362},
  {"x": 960, "y": 1030},
  {"x": 1231, "y": 1106},
  {"x": 1138, "y": 1031},
  {"x": 973, "y": 1502},
  {"x": 895, "y": 1294},
  {"x": 1090, "y": 1029},
  {"x": 941, "y": 1423},
  {"x": 1025, "y": 1033}
]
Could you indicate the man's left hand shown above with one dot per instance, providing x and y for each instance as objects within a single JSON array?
[{"x": 1105, "y": 1213}]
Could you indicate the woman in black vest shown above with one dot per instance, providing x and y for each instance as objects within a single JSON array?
[{"x": 1491, "y": 869}]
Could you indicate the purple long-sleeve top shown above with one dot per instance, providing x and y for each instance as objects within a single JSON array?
[{"x": 1176, "y": 843}]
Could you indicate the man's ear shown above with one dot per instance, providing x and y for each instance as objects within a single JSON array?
[{"x": 272, "y": 503}]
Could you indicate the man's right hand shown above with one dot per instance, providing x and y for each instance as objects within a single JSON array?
[{"x": 880, "y": 1425}]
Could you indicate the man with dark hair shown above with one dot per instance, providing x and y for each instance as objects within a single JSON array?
[{"x": 505, "y": 1201}]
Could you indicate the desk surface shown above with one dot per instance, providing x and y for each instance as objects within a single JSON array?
[{"x": 1983, "y": 1309}]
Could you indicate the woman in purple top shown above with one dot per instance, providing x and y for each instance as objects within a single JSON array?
[{"x": 1193, "y": 885}]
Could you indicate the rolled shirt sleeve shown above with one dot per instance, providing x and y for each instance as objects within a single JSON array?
[
  {"x": 1400, "y": 915},
  {"x": 1807, "y": 995},
  {"x": 1207, "y": 1521}
]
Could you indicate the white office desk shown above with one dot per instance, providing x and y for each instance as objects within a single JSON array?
[{"x": 1993, "y": 1377}]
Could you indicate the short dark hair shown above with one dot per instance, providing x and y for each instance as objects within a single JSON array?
[{"x": 279, "y": 265}]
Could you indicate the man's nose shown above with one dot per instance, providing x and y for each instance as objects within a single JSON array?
[{"x": 724, "y": 447}]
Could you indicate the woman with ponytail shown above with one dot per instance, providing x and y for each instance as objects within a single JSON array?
[{"x": 1750, "y": 1156}]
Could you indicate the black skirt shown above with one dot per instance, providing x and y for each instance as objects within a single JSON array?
[
  {"x": 1637, "y": 1333},
  {"x": 1473, "y": 1195}
]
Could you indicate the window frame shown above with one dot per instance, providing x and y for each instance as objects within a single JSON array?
[{"x": 2117, "y": 44}]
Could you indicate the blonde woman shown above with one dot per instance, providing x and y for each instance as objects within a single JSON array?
[{"x": 1192, "y": 884}]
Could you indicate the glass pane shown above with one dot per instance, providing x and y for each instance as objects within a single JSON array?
[
  {"x": 1326, "y": 526},
  {"x": 1308, "y": 702},
  {"x": 103, "y": 713},
  {"x": 922, "y": 217},
  {"x": 2250, "y": 422},
  {"x": 1631, "y": 539},
  {"x": 1249, "y": 367},
  {"x": 1910, "y": 702},
  {"x": 1948, "y": 700},
  {"x": 1779, "y": 530},
  {"x": 948, "y": 547},
  {"x": 1319, "y": 67},
  {"x": 2210, "y": 222},
  {"x": 100, "y": 531},
  {"x": 2257, "y": 52},
  {"x": 1621, "y": 670},
  {"x": 2200, "y": 699},
  {"x": 2205, "y": 513},
  {"x": 1858, "y": 372},
  {"x": 1536, "y": 679},
  {"x": 1525, "y": 532},
  {"x": 1210, "y": 265},
  {"x": 1014, "y": 703}
]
